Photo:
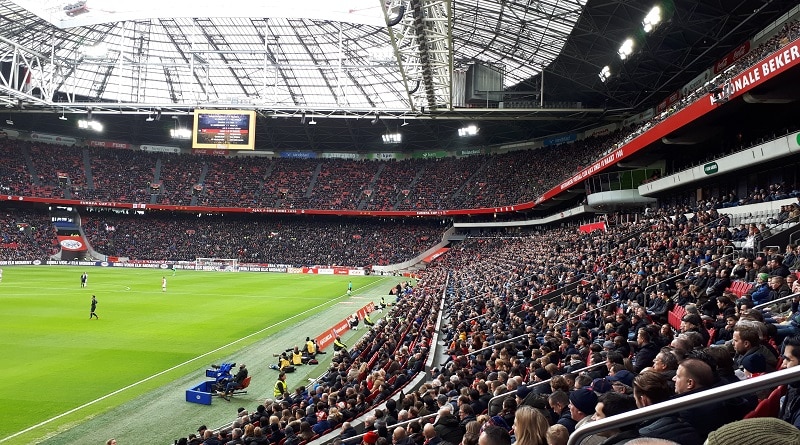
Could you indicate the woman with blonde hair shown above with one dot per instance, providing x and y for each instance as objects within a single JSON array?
[
  {"x": 530, "y": 426},
  {"x": 473, "y": 431}
]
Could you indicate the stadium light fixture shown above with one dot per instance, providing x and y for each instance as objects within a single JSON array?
[
  {"x": 605, "y": 73},
  {"x": 404, "y": 123},
  {"x": 149, "y": 118},
  {"x": 652, "y": 19},
  {"x": 90, "y": 125},
  {"x": 392, "y": 138},
  {"x": 626, "y": 49},
  {"x": 62, "y": 117},
  {"x": 312, "y": 121},
  {"x": 470, "y": 130}
]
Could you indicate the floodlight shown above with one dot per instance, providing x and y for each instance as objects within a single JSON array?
[
  {"x": 626, "y": 49},
  {"x": 392, "y": 138},
  {"x": 652, "y": 19},
  {"x": 470, "y": 130},
  {"x": 605, "y": 73}
]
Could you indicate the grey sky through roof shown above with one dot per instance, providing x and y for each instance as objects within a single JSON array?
[{"x": 329, "y": 56}]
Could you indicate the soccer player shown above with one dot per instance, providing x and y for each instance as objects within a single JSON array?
[
  {"x": 163, "y": 284},
  {"x": 84, "y": 279},
  {"x": 94, "y": 306},
  {"x": 350, "y": 288},
  {"x": 174, "y": 270}
]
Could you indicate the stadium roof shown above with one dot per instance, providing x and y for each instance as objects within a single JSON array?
[{"x": 335, "y": 59}]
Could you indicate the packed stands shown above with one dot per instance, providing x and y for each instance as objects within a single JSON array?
[{"x": 301, "y": 242}]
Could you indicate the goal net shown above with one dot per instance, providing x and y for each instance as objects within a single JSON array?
[{"x": 217, "y": 264}]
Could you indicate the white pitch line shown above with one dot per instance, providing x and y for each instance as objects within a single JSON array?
[{"x": 158, "y": 374}]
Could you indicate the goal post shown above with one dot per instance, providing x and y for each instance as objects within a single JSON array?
[{"x": 217, "y": 264}]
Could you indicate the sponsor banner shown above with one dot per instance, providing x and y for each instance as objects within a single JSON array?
[
  {"x": 429, "y": 154},
  {"x": 794, "y": 141},
  {"x": 696, "y": 83},
  {"x": 53, "y": 139},
  {"x": 561, "y": 139},
  {"x": 666, "y": 103},
  {"x": 210, "y": 152},
  {"x": 591, "y": 227},
  {"x": 72, "y": 243},
  {"x": 356, "y": 272},
  {"x": 325, "y": 271},
  {"x": 384, "y": 156},
  {"x": 774, "y": 64},
  {"x": 471, "y": 152},
  {"x": 108, "y": 144},
  {"x": 354, "y": 156},
  {"x": 297, "y": 154},
  {"x": 19, "y": 263},
  {"x": 732, "y": 57},
  {"x": 326, "y": 338},
  {"x": 601, "y": 131},
  {"x": 9, "y": 133},
  {"x": 430, "y": 258},
  {"x": 159, "y": 149}
]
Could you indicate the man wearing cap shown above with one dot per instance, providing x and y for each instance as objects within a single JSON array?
[
  {"x": 623, "y": 376},
  {"x": 581, "y": 406},
  {"x": 759, "y": 293}
]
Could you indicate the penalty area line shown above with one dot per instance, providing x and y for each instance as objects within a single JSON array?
[{"x": 160, "y": 373}]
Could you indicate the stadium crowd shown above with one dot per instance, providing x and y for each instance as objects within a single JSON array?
[
  {"x": 537, "y": 307},
  {"x": 291, "y": 241}
]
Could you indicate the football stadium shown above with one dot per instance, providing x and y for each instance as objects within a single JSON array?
[{"x": 408, "y": 222}]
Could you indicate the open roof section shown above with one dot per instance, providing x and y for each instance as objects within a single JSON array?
[
  {"x": 309, "y": 54},
  {"x": 696, "y": 36}
]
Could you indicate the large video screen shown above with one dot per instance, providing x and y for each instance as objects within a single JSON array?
[{"x": 224, "y": 129}]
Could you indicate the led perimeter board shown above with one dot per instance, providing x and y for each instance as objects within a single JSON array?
[{"x": 224, "y": 130}]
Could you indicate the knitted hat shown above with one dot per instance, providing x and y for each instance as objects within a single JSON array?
[
  {"x": 763, "y": 276},
  {"x": 601, "y": 385},
  {"x": 608, "y": 344},
  {"x": 523, "y": 391},
  {"x": 754, "y": 363},
  {"x": 371, "y": 437},
  {"x": 756, "y": 431},
  {"x": 542, "y": 373},
  {"x": 693, "y": 319},
  {"x": 584, "y": 400},
  {"x": 623, "y": 376}
]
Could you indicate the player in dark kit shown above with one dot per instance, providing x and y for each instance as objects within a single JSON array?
[
  {"x": 94, "y": 306},
  {"x": 84, "y": 279}
]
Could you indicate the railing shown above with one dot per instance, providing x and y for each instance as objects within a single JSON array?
[
  {"x": 777, "y": 300},
  {"x": 584, "y": 313},
  {"x": 743, "y": 387},
  {"x": 510, "y": 393}
]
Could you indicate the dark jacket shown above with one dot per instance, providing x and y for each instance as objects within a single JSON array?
[
  {"x": 644, "y": 357},
  {"x": 448, "y": 428},
  {"x": 790, "y": 411}
]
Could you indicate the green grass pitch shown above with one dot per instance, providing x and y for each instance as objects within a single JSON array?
[{"x": 59, "y": 364}]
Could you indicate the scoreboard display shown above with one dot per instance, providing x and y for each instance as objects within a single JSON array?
[{"x": 224, "y": 129}]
